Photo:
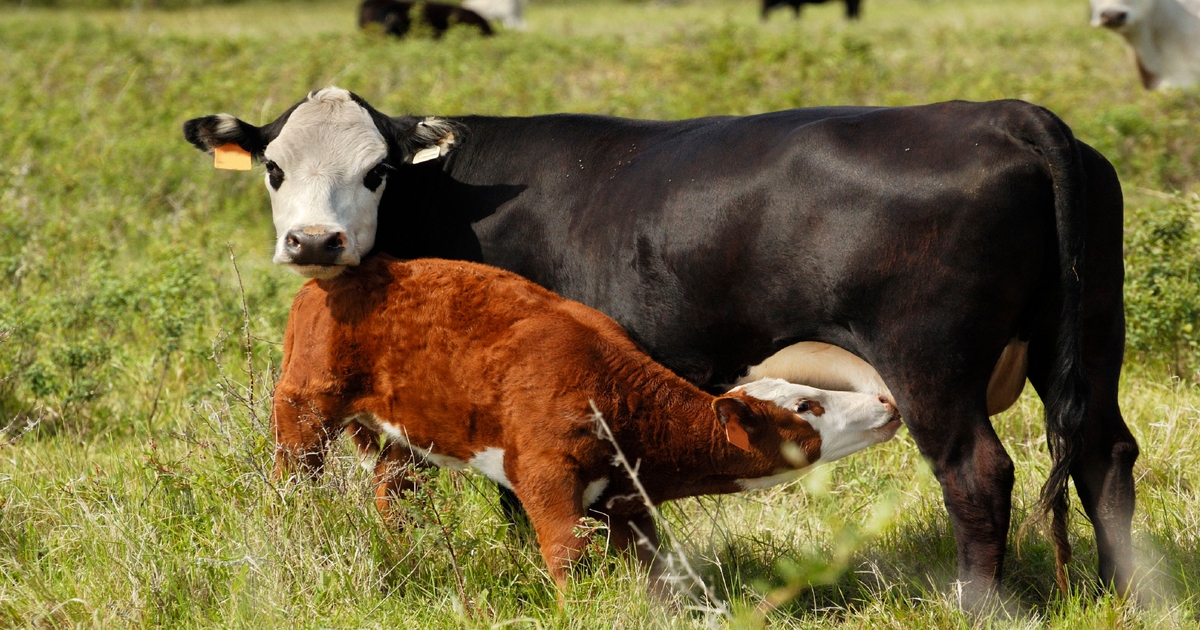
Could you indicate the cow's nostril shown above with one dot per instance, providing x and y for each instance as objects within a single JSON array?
[{"x": 336, "y": 241}]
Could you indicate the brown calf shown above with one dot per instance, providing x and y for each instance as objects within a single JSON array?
[{"x": 464, "y": 364}]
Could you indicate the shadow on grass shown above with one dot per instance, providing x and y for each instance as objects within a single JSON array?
[{"x": 915, "y": 561}]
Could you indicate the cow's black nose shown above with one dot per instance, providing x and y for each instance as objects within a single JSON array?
[
  {"x": 313, "y": 247},
  {"x": 1112, "y": 18}
]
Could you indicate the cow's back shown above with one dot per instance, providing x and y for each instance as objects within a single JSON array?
[{"x": 715, "y": 241}]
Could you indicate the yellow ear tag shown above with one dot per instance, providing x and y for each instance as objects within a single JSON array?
[
  {"x": 735, "y": 433},
  {"x": 231, "y": 157}
]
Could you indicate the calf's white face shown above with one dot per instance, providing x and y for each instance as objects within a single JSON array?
[
  {"x": 846, "y": 421},
  {"x": 325, "y": 174}
]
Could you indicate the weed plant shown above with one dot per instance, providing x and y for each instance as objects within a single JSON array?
[{"x": 137, "y": 359}]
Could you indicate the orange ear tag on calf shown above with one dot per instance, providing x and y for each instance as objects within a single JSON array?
[
  {"x": 736, "y": 435},
  {"x": 231, "y": 157}
]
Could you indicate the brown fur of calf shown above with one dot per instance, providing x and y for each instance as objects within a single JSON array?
[
  {"x": 396, "y": 16},
  {"x": 459, "y": 357}
]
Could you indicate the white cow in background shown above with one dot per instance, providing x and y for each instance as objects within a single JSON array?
[
  {"x": 511, "y": 13},
  {"x": 1164, "y": 34}
]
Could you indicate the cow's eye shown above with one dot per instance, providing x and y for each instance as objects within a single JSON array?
[
  {"x": 803, "y": 406},
  {"x": 374, "y": 177},
  {"x": 274, "y": 174}
]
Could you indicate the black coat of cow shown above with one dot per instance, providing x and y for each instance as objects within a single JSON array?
[
  {"x": 852, "y": 6},
  {"x": 922, "y": 239}
]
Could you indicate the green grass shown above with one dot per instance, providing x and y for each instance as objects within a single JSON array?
[{"x": 134, "y": 485}]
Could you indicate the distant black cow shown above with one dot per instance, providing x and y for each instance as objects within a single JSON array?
[
  {"x": 851, "y": 6},
  {"x": 396, "y": 16}
]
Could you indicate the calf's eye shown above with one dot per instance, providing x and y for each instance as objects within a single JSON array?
[{"x": 803, "y": 406}]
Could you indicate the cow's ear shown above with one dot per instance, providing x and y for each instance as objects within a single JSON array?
[
  {"x": 739, "y": 421},
  {"x": 429, "y": 139},
  {"x": 209, "y": 132}
]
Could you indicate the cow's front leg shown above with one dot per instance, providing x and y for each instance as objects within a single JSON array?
[{"x": 976, "y": 475}]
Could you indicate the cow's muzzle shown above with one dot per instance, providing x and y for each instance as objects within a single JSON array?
[
  {"x": 1113, "y": 18},
  {"x": 314, "y": 246}
]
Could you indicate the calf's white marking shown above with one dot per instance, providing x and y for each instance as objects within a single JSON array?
[
  {"x": 490, "y": 462},
  {"x": 401, "y": 436},
  {"x": 593, "y": 491}
]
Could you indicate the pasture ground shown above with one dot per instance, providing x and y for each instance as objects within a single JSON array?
[{"x": 135, "y": 361}]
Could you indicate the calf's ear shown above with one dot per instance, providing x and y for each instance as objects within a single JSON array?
[
  {"x": 427, "y": 139},
  {"x": 738, "y": 420},
  {"x": 208, "y": 133}
]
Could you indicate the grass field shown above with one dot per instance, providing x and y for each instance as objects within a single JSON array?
[{"x": 136, "y": 355}]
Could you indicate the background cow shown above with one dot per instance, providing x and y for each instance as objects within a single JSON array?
[
  {"x": 923, "y": 240},
  {"x": 1164, "y": 35},
  {"x": 397, "y": 19},
  {"x": 510, "y": 13},
  {"x": 852, "y": 6}
]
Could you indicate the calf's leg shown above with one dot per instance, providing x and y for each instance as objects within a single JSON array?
[
  {"x": 636, "y": 533},
  {"x": 302, "y": 437},
  {"x": 553, "y": 498},
  {"x": 392, "y": 476}
]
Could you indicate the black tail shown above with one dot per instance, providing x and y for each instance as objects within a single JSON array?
[{"x": 1067, "y": 397}]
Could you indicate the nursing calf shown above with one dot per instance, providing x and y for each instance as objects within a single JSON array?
[{"x": 463, "y": 364}]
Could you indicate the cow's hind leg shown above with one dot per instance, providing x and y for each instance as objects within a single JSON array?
[
  {"x": 976, "y": 475},
  {"x": 1103, "y": 474},
  {"x": 1103, "y": 468}
]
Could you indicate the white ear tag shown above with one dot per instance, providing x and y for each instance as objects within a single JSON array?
[{"x": 426, "y": 154}]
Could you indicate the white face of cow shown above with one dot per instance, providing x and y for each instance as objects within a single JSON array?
[
  {"x": 846, "y": 421},
  {"x": 327, "y": 163},
  {"x": 1119, "y": 15},
  {"x": 325, "y": 174}
]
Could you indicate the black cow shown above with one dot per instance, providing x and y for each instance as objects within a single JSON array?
[
  {"x": 396, "y": 16},
  {"x": 852, "y": 6},
  {"x": 925, "y": 240}
]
